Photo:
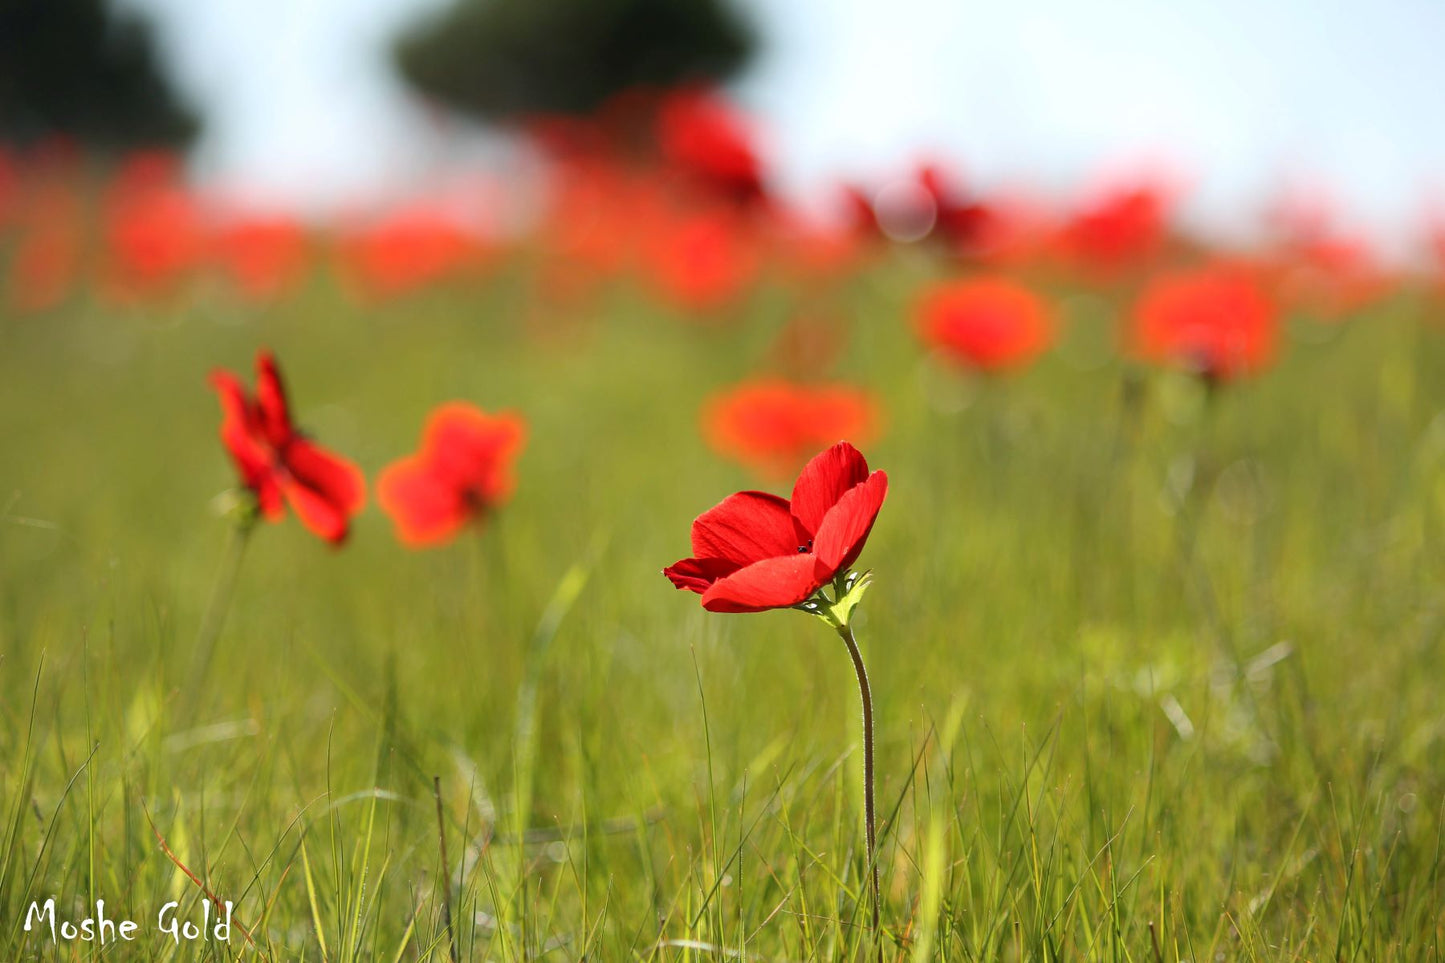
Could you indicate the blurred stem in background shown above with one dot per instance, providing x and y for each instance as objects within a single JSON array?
[{"x": 244, "y": 522}]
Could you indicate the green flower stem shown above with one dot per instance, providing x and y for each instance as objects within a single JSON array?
[
  {"x": 220, "y": 601},
  {"x": 845, "y": 631}
]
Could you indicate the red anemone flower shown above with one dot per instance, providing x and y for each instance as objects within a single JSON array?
[
  {"x": 463, "y": 470},
  {"x": 1215, "y": 319},
  {"x": 278, "y": 463},
  {"x": 754, "y": 551},
  {"x": 992, "y": 324},
  {"x": 773, "y": 425}
]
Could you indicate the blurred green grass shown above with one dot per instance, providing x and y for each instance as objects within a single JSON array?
[{"x": 1156, "y": 679}]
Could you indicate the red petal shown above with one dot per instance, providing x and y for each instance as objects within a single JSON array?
[
  {"x": 273, "y": 414},
  {"x": 824, "y": 480},
  {"x": 846, "y": 526},
  {"x": 696, "y": 574},
  {"x": 473, "y": 449},
  {"x": 323, "y": 488},
  {"x": 248, "y": 449},
  {"x": 425, "y": 510},
  {"x": 773, "y": 583},
  {"x": 745, "y": 528}
]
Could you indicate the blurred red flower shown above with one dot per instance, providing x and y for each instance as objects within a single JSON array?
[
  {"x": 1331, "y": 277},
  {"x": 278, "y": 463},
  {"x": 989, "y": 323},
  {"x": 1119, "y": 230},
  {"x": 406, "y": 250},
  {"x": 264, "y": 257},
  {"x": 48, "y": 253},
  {"x": 463, "y": 471},
  {"x": 772, "y": 425},
  {"x": 754, "y": 551},
  {"x": 702, "y": 261},
  {"x": 152, "y": 230},
  {"x": 707, "y": 142},
  {"x": 1216, "y": 320},
  {"x": 964, "y": 222}
]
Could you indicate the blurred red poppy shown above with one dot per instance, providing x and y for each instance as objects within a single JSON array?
[
  {"x": 992, "y": 324},
  {"x": 1331, "y": 277},
  {"x": 278, "y": 463},
  {"x": 1119, "y": 230},
  {"x": 773, "y": 425},
  {"x": 48, "y": 255},
  {"x": 754, "y": 551},
  {"x": 462, "y": 472},
  {"x": 707, "y": 142},
  {"x": 964, "y": 222},
  {"x": 264, "y": 256},
  {"x": 153, "y": 231},
  {"x": 1215, "y": 320},
  {"x": 702, "y": 261},
  {"x": 406, "y": 250}
]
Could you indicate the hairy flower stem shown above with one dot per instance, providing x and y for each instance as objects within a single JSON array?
[
  {"x": 220, "y": 601},
  {"x": 846, "y": 632}
]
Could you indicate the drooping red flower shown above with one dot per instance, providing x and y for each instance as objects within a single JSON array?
[
  {"x": 992, "y": 324},
  {"x": 463, "y": 471},
  {"x": 278, "y": 463},
  {"x": 754, "y": 551},
  {"x": 773, "y": 425},
  {"x": 1216, "y": 320}
]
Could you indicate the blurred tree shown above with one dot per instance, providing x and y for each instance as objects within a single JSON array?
[
  {"x": 503, "y": 58},
  {"x": 78, "y": 69}
]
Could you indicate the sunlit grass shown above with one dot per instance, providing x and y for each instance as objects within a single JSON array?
[{"x": 1155, "y": 678}]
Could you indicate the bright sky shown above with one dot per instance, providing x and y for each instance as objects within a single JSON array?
[{"x": 1238, "y": 96}]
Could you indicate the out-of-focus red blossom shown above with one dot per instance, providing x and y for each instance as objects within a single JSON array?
[
  {"x": 152, "y": 227},
  {"x": 263, "y": 256},
  {"x": 858, "y": 213},
  {"x": 462, "y": 472},
  {"x": 1216, "y": 320},
  {"x": 1317, "y": 267},
  {"x": 989, "y": 323},
  {"x": 1332, "y": 277},
  {"x": 702, "y": 261},
  {"x": 1435, "y": 242},
  {"x": 708, "y": 143},
  {"x": 406, "y": 250},
  {"x": 278, "y": 463},
  {"x": 597, "y": 213},
  {"x": 1120, "y": 230},
  {"x": 964, "y": 223},
  {"x": 46, "y": 261},
  {"x": 772, "y": 425},
  {"x": 754, "y": 551},
  {"x": 814, "y": 253}
]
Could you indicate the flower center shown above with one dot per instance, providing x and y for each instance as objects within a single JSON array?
[{"x": 804, "y": 549}]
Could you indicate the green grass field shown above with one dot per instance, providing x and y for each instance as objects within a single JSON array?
[{"x": 1157, "y": 679}]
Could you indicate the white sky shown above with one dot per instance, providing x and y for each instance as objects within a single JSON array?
[{"x": 1239, "y": 96}]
